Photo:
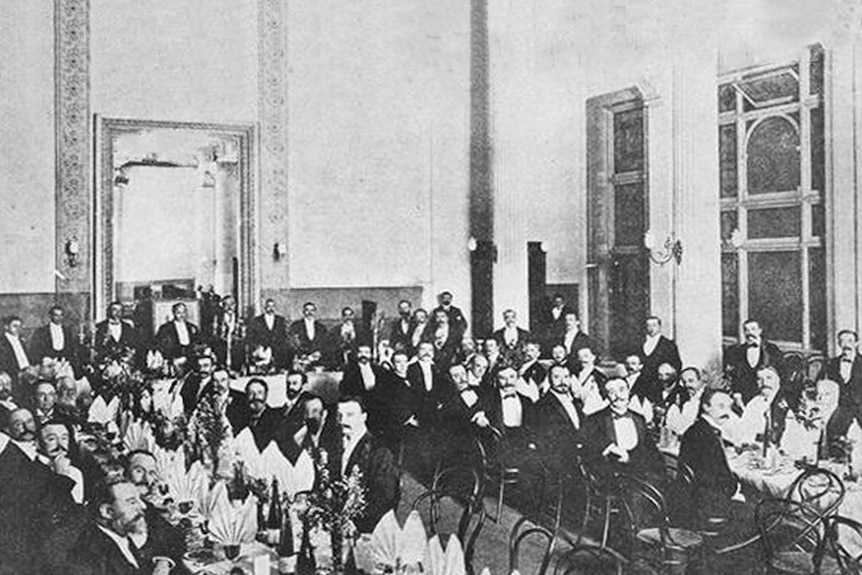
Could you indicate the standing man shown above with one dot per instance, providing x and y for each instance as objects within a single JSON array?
[
  {"x": 846, "y": 369},
  {"x": 269, "y": 331},
  {"x": 457, "y": 322},
  {"x": 13, "y": 358},
  {"x": 307, "y": 335},
  {"x": 114, "y": 334},
  {"x": 656, "y": 350},
  {"x": 554, "y": 320},
  {"x": 402, "y": 328},
  {"x": 512, "y": 338},
  {"x": 446, "y": 340},
  {"x": 345, "y": 339},
  {"x": 176, "y": 339},
  {"x": 228, "y": 339},
  {"x": 572, "y": 338},
  {"x": 54, "y": 340},
  {"x": 743, "y": 361}
]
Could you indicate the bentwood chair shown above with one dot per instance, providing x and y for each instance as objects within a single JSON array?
[
  {"x": 820, "y": 490},
  {"x": 519, "y": 537},
  {"x": 844, "y": 543},
  {"x": 591, "y": 560},
  {"x": 497, "y": 471},
  {"x": 791, "y": 537},
  {"x": 601, "y": 500},
  {"x": 462, "y": 487}
]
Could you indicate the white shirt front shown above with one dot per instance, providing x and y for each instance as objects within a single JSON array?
[
  {"x": 556, "y": 312},
  {"x": 369, "y": 380},
  {"x": 123, "y": 544},
  {"x": 568, "y": 339},
  {"x": 846, "y": 369},
  {"x": 753, "y": 420},
  {"x": 115, "y": 330},
  {"x": 427, "y": 374},
  {"x": 348, "y": 331},
  {"x": 269, "y": 319},
  {"x": 18, "y": 349},
  {"x": 679, "y": 419},
  {"x": 513, "y": 413},
  {"x": 510, "y": 336},
  {"x": 568, "y": 404},
  {"x": 469, "y": 397},
  {"x": 650, "y": 343},
  {"x": 309, "y": 328},
  {"x": 182, "y": 332},
  {"x": 752, "y": 354},
  {"x": 58, "y": 340},
  {"x": 627, "y": 434},
  {"x": 349, "y": 447}
]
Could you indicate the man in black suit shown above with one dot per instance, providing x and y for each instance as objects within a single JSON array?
[
  {"x": 423, "y": 330},
  {"x": 400, "y": 336},
  {"x": 457, "y": 321},
  {"x": 264, "y": 422},
  {"x": 7, "y": 401},
  {"x": 344, "y": 340},
  {"x": 176, "y": 339},
  {"x": 445, "y": 338},
  {"x": 572, "y": 338},
  {"x": 558, "y": 422},
  {"x": 846, "y": 370},
  {"x": 428, "y": 386},
  {"x": 13, "y": 357},
  {"x": 360, "y": 450},
  {"x": 269, "y": 331},
  {"x": 656, "y": 350},
  {"x": 462, "y": 416},
  {"x": 743, "y": 361},
  {"x": 362, "y": 378},
  {"x": 509, "y": 412},
  {"x": 670, "y": 392},
  {"x": 553, "y": 320},
  {"x": 308, "y": 336},
  {"x": 532, "y": 371},
  {"x": 114, "y": 334},
  {"x": 196, "y": 383},
  {"x": 511, "y": 338},
  {"x": 227, "y": 335},
  {"x": 616, "y": 439},
  {"x": 54, "y": 340}
]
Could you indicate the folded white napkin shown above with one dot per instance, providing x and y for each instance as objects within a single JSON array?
[
  {"x": 102, "y": 412},
  {"x": 392, "y": 545}
]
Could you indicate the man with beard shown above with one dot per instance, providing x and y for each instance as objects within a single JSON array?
[
  {"x": 344, "y": 340},
  {"x": 114, "y": 334},
  {"x": 45, "y": 400},
  {"x": 292, "y": 413},
  {"x": 318, "y": 429},
  {"x": 360, "y": 450},
  {"x": 33, "y": 498},
  {"x": 670, "y": 393},
  {"x": 153, "y": 539},
  {"x": 106, "y": 546},
  {"x": 455, "y": 316},
  {"x": 196, "y": 383},
  {"x": 531, "y": 371},
  {"x": 445, "y": 339},
  {"x": 743, "y": 361},
  {"x": 263, "y": 421},
  {"x": 402, "y": 328},
  {"x": 477, "y": 372}
]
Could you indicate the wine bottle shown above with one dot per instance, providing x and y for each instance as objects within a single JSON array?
[
  {"x": 275, "y": 517},
  {"x": 286, "y": 548},
  {"x": 305, "y": 563}
]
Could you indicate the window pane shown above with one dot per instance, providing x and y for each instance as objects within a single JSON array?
[
  {"x": 628, "y": 141},
  {"x": 727, "y": 160},
  {"x": 773, "y": 157},
  {"x": 729, "y": 222},
  {"x": 775, "y": 88},
  {"x": 774, "y": 223},
  {"x": 726, "y": 98},
  {"x": 629, "y": 215},
  {"x": 817, "y": 297},
  {"x": 730, "y": 295},
  {"x": 818, "y": 151},
  {"x": 775, "y": 294},
  {"x": 816, "y": 67},
  {"x": 818, "y": 221}
]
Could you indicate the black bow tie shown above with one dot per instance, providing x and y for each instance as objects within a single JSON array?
[
  {"x": 753, "y": 345},
  {"x": 617, "y": 416},
  {"x": 846, "y": 360}
]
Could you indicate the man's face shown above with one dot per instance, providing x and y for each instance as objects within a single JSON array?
[
  {"x": 719, "y": 408},
  {"x": 633, "y": 364},
  {"x": 309, "y": 310},
  {"x": 479, "y": 367},
  {"x": 752, "y": 332},
  {"x": 67, "y": 391},
  {"x": 847, "y": 342},
  {"x": 559, "y": 302},
  {"x": 653, "y": 327},
  {"x": 351, "y": 418},
  {"x": 269, "y": 306},
  {"x": 46, "y": 397},
  {"x": 506, "y": 379},
  {"x": 827, "y": 395},
  {"x": 221, "y": 382},
  {"x": 441, "y": 318},
  {"x": 348, "y": 315},
  {"x": 426, "y": 351},
  {"x": 256, "y": 397},
  {"x": 54, "y": 440},
  {"x": 531, "y": 351},
  {"x": 127, "y": 509},
  {"x": 559, "y": 354},
  {"x": 115, "y": 311},
  {"x": 572, "y": 323},
  {"x": 205, "y": 366},
  {"x": 14, "y": 327},
  {"x": 767, "y": 382},
  {"x": 491, "y": 347},
  {"x": 5, "y": 386},
  {"x": 142, "y": 470},
  {"x": 468, "y": 346},
  {"x": 666, "y": 375},
  {"x": 618, "y": 395},
  {"x": 446, "y": 299},
  {"x": 399, "y": 364},
  {"x": 363, "y": 354},
  {"x": 691, "y": 382},
  {"x": 459, "y": 376},
  {"x": 421, "y": 316},
  {"x": 404, "y": 309},
  {"x": 510, "y": 319},
  {"x": 314, "y": 414},
  {"x": 228, "y": 303},
  {"x": 56, "y": 316},
  {"x": 181, "y": 312},
  {"x": 294, "y": 385},
  {"x": 585, "y": 356},
  {"x": 560, "y": 380},
  {"x": 22, "y": 426}
]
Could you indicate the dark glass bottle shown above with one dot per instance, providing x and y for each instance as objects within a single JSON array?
[
  {"x": 305, "y": 563},
  {"x": 275, "y": 517},
  {"x": 286, "y": 549}
]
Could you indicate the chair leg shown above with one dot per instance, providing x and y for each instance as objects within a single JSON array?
[
  {"x": 500, "y": 500},
  {"x": 607, "y": 523}
]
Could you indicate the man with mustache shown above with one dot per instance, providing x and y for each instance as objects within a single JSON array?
[
  {"x": 292, "y": 413},
  {"x": 402, "y": 327},
  {"x": 743, "y": 361},
  {"x": 318, "y": 429},
  {"x": 262, "y": 420},
  {"x": 54, "y": 453},
  {"x": 7, "y": 402},
  {"x": 33, "y": 498},
  {"x": 106, "y": 546},
  {"x": 846, "y": 369}
]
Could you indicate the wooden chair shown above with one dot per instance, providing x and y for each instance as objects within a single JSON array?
[
  {"x": 590, "y": 560},
  {"x": 518, "y": 537},
  {"x": 601, "y": 498},
  {"x": 839, "y": 530},
  {"x": 463, "y": 487},
  {"x": 791, "y": 537},
  {"x": 497, "y": 472},
  {"x": 820, "y": 490}
]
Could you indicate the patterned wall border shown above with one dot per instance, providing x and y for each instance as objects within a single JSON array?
[{"x": 72, "y": 132}]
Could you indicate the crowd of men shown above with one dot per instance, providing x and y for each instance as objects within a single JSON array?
[{"x": 426, "y": 396}]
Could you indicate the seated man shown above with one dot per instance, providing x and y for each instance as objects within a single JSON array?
[
  {"x": 616, "y": 439},
  {"x": 105, "y": 547},
  {"x": 767, "y": 411},
  {"x": 54, "y": 453},
  {"x": 462, "y": 416},
  {"x": 319, "y": 429},
  {"x": 7, "y": 402},
  {"x": 589, "y": 383},
  {"x": 358, "y": 450},
  {"x": 680, "y": 417},
  {"x": 262, "y": 420},
  {"x": 45, "y": 400},
  {"x": 154, "y": 538},
  {"x": 532, "y": 372},
  {"x": 477, "y": 371},
  {"x": 558, "y": 422}
]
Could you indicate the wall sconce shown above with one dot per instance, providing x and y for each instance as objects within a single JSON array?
[
  {"x": 735, "y": 240},
  {"x": 279, "y": 250},
  {"x": 671, "y": 249},
  {"x": 482, "y": 249},
  {"x": 209, "y": 180},
  {"x": 73, "y": 251}
]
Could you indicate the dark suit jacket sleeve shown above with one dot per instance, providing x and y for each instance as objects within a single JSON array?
[{"x": 596, "y": 438}]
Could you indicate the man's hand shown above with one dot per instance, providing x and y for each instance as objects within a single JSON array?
[
  {"x": 62, "y": 465},
  {"x": 613, "y": 451},
  {"x": 480, "y": 419},
  {"x": 162, "y": 567},
  {"x": 412, "y": 422},
  {"x": 737, "y": 400}
]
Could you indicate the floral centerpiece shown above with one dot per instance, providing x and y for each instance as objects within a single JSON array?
[{"x": 209, "y": 434}]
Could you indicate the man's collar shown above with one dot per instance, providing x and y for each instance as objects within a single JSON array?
[
  {"x": 27, "y": 448},
  {"x": 624, "y": 415}
]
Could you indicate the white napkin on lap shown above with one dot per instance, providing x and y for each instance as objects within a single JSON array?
[
  {"x": 448, "y": 562},
  {"x": 390, "y": 544}
]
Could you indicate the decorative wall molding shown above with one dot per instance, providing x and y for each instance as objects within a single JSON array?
[
  {"x": 273, "y": 146},
  {"x": 72, "y": 113}
]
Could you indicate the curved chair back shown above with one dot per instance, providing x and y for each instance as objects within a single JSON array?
[
  {"x": 841, "y": 534},
  {"x": 819, "y": 489},
  {"x": 788, "y": 531},
  {"x": 517, "y": 539},
  {"x": 589, "y": 560}
]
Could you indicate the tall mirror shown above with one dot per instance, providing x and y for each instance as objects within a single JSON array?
[{"x": 174, "y": 217}]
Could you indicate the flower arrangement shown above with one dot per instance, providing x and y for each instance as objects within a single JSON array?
[{"x": 208, "y": 433}]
